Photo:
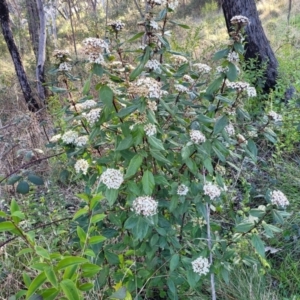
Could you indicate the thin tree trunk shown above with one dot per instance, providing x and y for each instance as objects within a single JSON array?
[
  {"x": 33, "y": 24},
  {"x": 257, "y": 44},
  {"x": 32, "y": 103},
  {"x": 40, "y": 67}
]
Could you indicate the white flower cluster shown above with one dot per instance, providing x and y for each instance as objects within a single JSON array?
[
  {"x": 154, "y": 25},
  {"x": 93, "y": 47},
  {"x": 155, "y": 2},
  {"x": 202, "y": 68},
  {"x": 60, "y": 53},
  {"x": 152, "y": 105},
  {"x": 178, "y": 59},
  {"x": 117, "y": 25},
  {"x": 221, "y": 69},
  {"x": 69, "y": 137},
  {"x": 188, "y": 79},
  {"x": 81, "y": 165},
  {"x": 211, "y": 190},
  {"x": 278, "y": 198},
  {"x": 230, "y": 129},
  {"x": 233, "y": 57},
  {"x": 181, "y": 88},
  {"x": 201, "y": 266},
  {"x": 112, "y": 178},
  {"x": 152, "y": 86},
  {"x": 96, "y": 58},
  {"x": 92, "y": 116},
  {"x": 275, "y": 116},
  {"x": 81, "y": 141},
  {"x": 64, "y": 67},
  {"x": 251, "y": 91},
  {"x": 242, "y": 86},
  {"x": 240, "y": 20},
  {"x": 145, "y": 205},
  {"x": 88, "y": 104},
  {"x": 172, "y": 4},
  {"x": 55, "y": 138},
  {"x": 153, "y": 64},
  {"x": 76, "y": 107},
  {"x": 182, "y": 190},
  {"x": 197, "y": 136},
  {"x": 150, "y": 129}
]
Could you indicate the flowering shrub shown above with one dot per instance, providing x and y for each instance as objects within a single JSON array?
[{"x": 159, "y": 151}]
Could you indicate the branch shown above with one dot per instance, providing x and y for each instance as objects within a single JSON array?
[
  {"x": 40, "y": 226},
  {"x": 29, "y": 164}
]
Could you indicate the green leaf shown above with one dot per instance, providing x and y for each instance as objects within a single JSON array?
[
  {"x": 97, "y": 239},
  {"x": 215, "y": 85},
  {"x": 86, "y": 286},
  {"x": 97, "y": 218},
  {"x": 97, "y": 69},
  {"x": 70, "y": 290},
  {"x": 14, "y": 206},
  {"x": 252, "y": 148},
  {"x": 238, "y": 47},
  {"x": 221, "y": 54},
  {"x": 220, "y": 124},
  {"x": 13, "y": 179},
  {"x": 244, "y": 227},
  {"x": 258, "y": 244},
  {"x": 125, "y": 143},
  {"x": 158, "y": 155},
  {"x": 180, "y": 25},
  {"x": 111, "y": 196},
  {"x": 127, "y": 111},
  {"x": 26, "y": 279},
  {"x": 208, "y": 165},
  {"x": 70, "y": 271},
  {"x": 42, "y": 252},
  {"x": 70, "y": 261},
  {"x": 224, "y": 99},
  {"x": 141, "y": 229},
  {"x": 186, "y": 151},
  {"x": 57, "y": 90},
  {"x": 6, "y": 226},
  {"x": 232, "y": 72},
  {"x": 136, "y": 36},
  {"x": 51, "y": 276},
  {"x": 89, "y": 270},
  {"x": 148, "y": 182},
  {"x": 22, "y": 187},
  {"x": 35, "y": 179},
  {"x": 36, "y": 283},
  {"x": 119, "y": 294},
  {"x": 49, "y": 294},
  {"x": 161, "y": 14},
  {"x": 155, "y": 143},
  {"x": 106, "y": 95},
  {"x": 80, "y": 213},
  {"x": 171, "y": 286},
  {"x": 174, "y": 262},
  {"x": 131, "y": 222},
  {"x": 25, "y": 251},
  {"x": 134, "y": 165},
  {"x": 138, "y": 70},
  {"x": 87, "y": 86},
  {"x": 81, "y": 234}
]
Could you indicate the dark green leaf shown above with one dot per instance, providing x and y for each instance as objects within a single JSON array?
[
  {"x": 111, "y": 196},
  {"x": 23, "y": 187},
  {"x": 148, "y": 182},
  {"x": 87, "y": 86},
  {"x": 159, "y": 156},
  {"x": 125, "y": 143},
  {"x": 155, "y": 143},
  {"x": 13, "y": 179},
  {"x": 106, "y": 95},
  {"x": 174, "y": 262},
  {"x": 97, "y": 69},
  {"x": 215, "y": 85},
  {"x": 220, "y": 124},
  {"x": 127, "y": 111},
  {"x": 136, "y": 36},
  {"x": 35, "y": 179},
  {"x": 244, "y": 227},
  {"x": 221, "y": 54},
  {"x": 232, "y": 72},
  {"x": 134, "y": 165}
]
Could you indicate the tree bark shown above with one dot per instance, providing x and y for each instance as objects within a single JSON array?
[
  {"x": 32, "y": 103},
  {"x": 257, "y": 44},
  {"x": 40, "y": 67},
  {"x": 33, "y": 24}
]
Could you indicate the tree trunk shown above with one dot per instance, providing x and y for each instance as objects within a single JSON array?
[
  {"x": 257, "y": 44},
  {"x": 40, "y": 67},
  {"x": 33, "y": 24},
  {"x": 32, "y": 103}
]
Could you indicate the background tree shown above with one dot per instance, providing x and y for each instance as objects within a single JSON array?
[
  {"x": 32, "y": 103},
  {"x": 257, "y": 44}
]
